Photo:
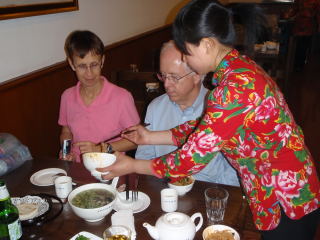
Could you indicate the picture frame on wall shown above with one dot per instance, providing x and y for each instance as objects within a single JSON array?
[{"x": 25, "y": 8}]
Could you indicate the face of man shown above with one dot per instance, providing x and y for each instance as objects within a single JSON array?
[
  {"x": 88, "y": 69},
  {"x": 182, "y": 91}
]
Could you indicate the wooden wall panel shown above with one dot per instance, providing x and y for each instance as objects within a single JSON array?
[{"x": 30, "y": 104}]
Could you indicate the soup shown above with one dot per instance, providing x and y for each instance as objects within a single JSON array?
[{"x": 92, "y": 198}]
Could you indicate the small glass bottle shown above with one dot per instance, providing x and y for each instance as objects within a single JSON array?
[{"x": 10, "y": 226}]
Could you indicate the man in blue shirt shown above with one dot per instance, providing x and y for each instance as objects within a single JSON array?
[{"x": 183, "y": 101}]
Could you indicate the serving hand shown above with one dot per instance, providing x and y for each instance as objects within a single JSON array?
[
  {"x": 125, "y": 165},
  {"x": 137, "y": 134}
]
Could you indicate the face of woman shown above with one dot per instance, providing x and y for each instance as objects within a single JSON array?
[
  {"x": 88, "y": 69},
  {"x": 199, "y": 58}
]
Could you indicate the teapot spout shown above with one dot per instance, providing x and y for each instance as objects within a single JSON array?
[
  {"x": 115, "y": 182},
  {"x": 152, "y": 231}
]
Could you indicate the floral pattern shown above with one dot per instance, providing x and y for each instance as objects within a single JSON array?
[{"x": 248, "y": 120}]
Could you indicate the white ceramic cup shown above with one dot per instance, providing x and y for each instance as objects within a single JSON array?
[
  {"x": 63, "y": 186},
  {"x": 169, "y": 200}
]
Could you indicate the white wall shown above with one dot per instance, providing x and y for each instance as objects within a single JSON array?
[{"x": 28, "y": 44}]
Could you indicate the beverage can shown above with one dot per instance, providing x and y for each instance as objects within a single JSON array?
[{"x": 66, "y": 147}]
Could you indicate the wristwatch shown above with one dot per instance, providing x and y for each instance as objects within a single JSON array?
[
  {"x": 109, "y": 148},
  {"x": 106, "y": 147}
]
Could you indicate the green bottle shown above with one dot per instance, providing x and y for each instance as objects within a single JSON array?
[{"x": 10, "y": 226}]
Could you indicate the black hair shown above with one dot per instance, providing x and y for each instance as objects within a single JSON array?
[
  {"x": 209, "y": 18},
  {"x": 80, "y": 43}
]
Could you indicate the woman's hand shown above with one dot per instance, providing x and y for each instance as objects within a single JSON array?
[
  {"x": 123, "y": 165},
  {"x": 126, "y": 165},
  {"x": 88, "y": 147},
  {"x": 142, "y": 136},
  {"x": 137, "y": 134}
]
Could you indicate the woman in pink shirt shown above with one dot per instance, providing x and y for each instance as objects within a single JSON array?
[{"x": 95, "y": 109}]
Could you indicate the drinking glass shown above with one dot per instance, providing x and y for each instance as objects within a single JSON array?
[
  {"x": 117, "y": 232},
  {"x": 216, "y": 201}
]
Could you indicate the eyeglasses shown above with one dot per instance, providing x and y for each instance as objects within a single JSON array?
[
  {"x": 173, "y": 78},
  {"x": 92, "y": 66}
]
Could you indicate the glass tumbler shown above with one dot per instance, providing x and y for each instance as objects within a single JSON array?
[
  {"x": 216, "y": 203},
  {"x": 117, "y": 232}
]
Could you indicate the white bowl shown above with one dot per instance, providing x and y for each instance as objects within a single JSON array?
[
  {"x": 182, "y": 190},
  {"x": 95, "y": 160},
  {"x": 214, "y": 228},
  {"x": 92, "y": 214}
]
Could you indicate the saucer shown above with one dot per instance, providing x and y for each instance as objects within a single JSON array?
[
  {"x": 45, "y": 177},
  {"x": 140, "y": 205}
]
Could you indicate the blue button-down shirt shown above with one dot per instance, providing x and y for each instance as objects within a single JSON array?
[{"x": 163, "y": 114}]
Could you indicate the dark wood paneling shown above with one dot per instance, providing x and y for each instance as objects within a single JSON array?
[{"x": 30, "y": 104}]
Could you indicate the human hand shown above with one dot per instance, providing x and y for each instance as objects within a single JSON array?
[
  {"x": 137, "y": 134},
  {"x": 69, "y": 157},
  {"x": 122, "y": 166},
  {"x": 88, "y": 147}
]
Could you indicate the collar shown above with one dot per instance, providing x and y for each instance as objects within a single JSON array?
[
  {"x": 104, "y": 87},
  {"x": 223, "y": 65},
  {"x": 196, "y": 104}
]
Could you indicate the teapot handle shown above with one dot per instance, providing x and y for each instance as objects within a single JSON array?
[{"x": 193, "y": 218}]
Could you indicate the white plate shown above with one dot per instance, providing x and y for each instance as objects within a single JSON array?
[
  {"x": 45, "y": 177},
  {"x": 140, "y": 205},
  {"x": 86, "y": 234}
]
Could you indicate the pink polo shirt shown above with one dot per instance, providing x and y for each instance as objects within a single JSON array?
[{"x": 112, "y": 111}]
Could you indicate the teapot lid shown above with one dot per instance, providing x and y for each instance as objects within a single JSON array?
[{"x": 176, "y": 219}]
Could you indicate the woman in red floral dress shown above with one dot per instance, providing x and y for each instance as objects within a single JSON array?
[{"x": 246, "y": 118}]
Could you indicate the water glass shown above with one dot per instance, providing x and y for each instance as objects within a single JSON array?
[
  {"x": 117, "y": 232},
  {"x": 216, "y": 201}
]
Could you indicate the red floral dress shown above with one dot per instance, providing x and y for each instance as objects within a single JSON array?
[{"x": 248, "y": 120}]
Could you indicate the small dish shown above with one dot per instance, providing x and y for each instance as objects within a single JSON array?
[
  {"x": 217, "y": 228},
  {"x": 182, "y": 189},
  {"x": 140, "y": 205},
  {"x": 45, "y": 177},
  {"x": 41, "y": 204},
  {"x": 86, "y": 234}
]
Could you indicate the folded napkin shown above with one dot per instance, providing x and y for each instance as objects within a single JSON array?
[{"x": 125, "y": 218}]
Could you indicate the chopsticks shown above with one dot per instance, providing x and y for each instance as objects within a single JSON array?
[
  {"x": 119, "y": 135},
  {"x": 127, "y": 187}
]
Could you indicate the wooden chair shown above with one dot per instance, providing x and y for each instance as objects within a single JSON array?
[{"x": 135, "y": 82}]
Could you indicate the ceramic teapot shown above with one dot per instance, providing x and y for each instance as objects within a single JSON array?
[{"x": 175, "y": 225}]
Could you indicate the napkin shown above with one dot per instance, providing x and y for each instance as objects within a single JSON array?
[{"x": 125, "y": 218}]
